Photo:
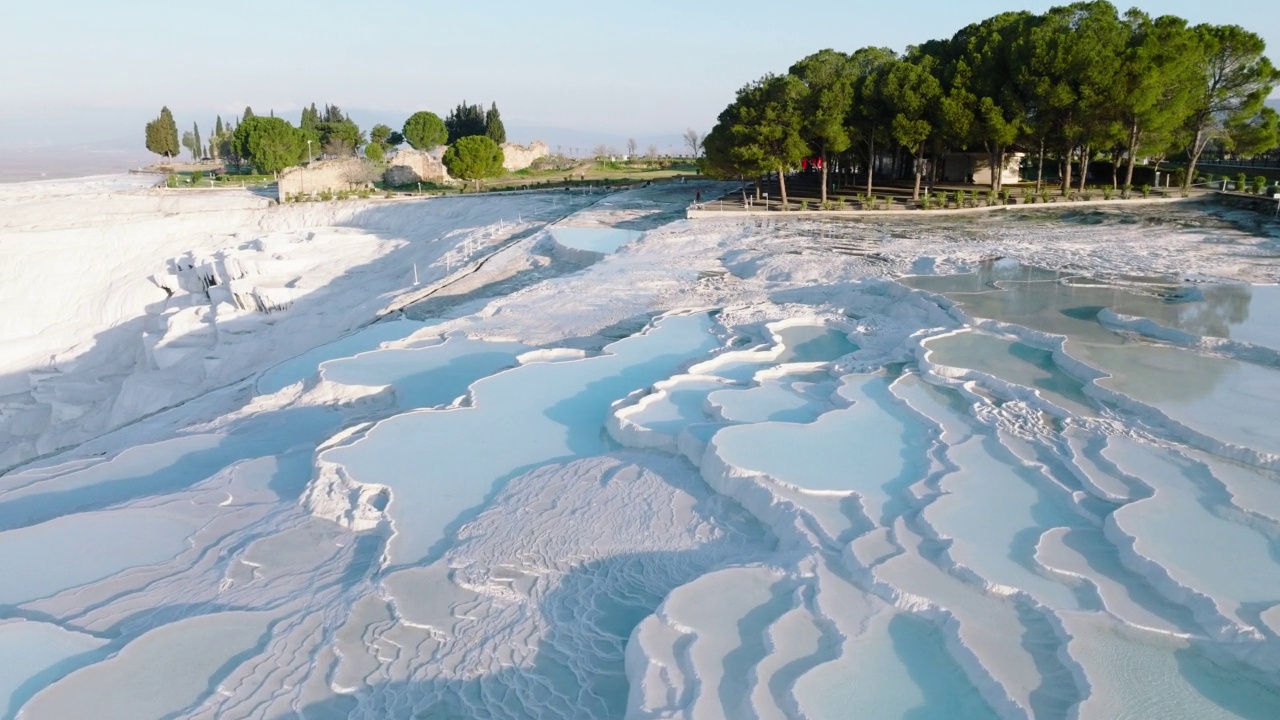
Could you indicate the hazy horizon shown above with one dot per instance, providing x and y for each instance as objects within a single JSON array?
[{"x": 572, "y": 74}]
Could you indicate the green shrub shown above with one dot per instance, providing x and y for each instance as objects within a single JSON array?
[
  {"x": 1107, "y": 192},
  {"x": 1259, "y": 184},
  {"x": 1179, "y": 176},
  {"x": 1241, "y": 182},
  {"x": 961, "y": 198},
  {"x": 1146, "y": 191},
  {"x": 325, "y": 196}
]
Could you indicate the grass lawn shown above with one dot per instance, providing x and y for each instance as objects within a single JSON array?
[{"x": 186, "y": 179}]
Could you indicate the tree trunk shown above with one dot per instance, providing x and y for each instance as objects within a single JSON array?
[
  {"x": 782, "y": 187},
  {"x": 915, "y": 194},
  {"x": 1066, "y": 172},
  {"x": 997, "y": 167},
  {"x": 1197, "y": 147},
  {"x": 1040, "y": 169},
  {"x": 1115, "y": 164},
  {"x": 871, "y": 162},
  {"x": 1133, "y": 157},
  {"x": 1084, "y": 166},
  {"x": 823, "y": 158}
]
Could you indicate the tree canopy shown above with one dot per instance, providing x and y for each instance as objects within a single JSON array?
[
  {"x": 475, "y": 157},
  {"x": 425, "y": 131},
  {"x": 269, "y": 144},
  {"x": 162, "y": 135},
  {"x": 766, "y": 125},
  {"x": 828, "y": 81},
  {"x": 493, "y": 128},
  {"x": 1077, "y": 82},
  {"x": 464, "y": 121},
  {"x": 378, "y": 135}
]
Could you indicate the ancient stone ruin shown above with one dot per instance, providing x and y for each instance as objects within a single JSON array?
[
  {"x": 337, "y": 175},
  {"x": 518, "y": 157},
  {"x": 410, "y": 166}
]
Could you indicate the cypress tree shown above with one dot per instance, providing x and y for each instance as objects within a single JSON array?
[
  {"x": 248, "y": 113},
  {"x": 465, "y": 121},
  {"x": 493, "y": 127},
  {"x": 162, "y": 135},
  {"x": 195, "y": 129},
  {"x": 153, "y": 136},
  {"x": 217, "y": 128}
]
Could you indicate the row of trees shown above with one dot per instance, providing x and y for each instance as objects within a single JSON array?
[
  {"x": 1076, "y": 83},
  {"x": 271, "y": 144}
]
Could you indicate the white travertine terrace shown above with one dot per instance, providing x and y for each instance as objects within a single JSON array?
[{"x": 711, "y": 469}]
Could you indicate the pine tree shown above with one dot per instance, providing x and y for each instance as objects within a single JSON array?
[
  {"x": 424, "y": 130},
  {"x": 493, "y": 127},
  {"x": 474, "y": 158},
  {"x": 270, "y": 144}
]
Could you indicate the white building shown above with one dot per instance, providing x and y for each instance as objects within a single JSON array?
[{"x": 975, "y": 167}]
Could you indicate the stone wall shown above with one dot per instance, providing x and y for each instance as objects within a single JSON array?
[
  {"x": 409, "y": 166},
  {"x": 333, "y": 175},
  {"x": 518, "y": 157}
]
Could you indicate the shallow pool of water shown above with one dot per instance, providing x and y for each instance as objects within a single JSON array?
[
  {"x": 813, "y": 343},
  {"x": 594, "y": 239}
]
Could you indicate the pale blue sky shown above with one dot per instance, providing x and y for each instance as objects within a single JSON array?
[{"x": 643, "y": 69}]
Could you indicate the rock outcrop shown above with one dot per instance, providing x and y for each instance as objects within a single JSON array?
[{"x": 518, "y": 157}]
